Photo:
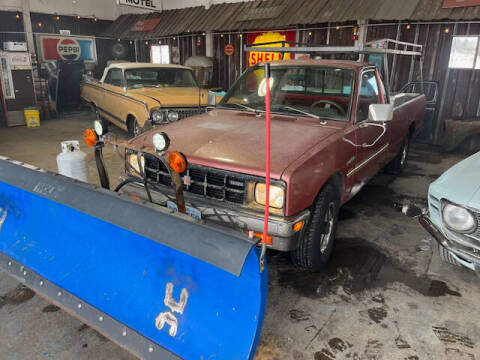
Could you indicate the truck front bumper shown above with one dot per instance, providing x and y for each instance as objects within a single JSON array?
[
  {"x": 463, "y": 255},
  {"x": 280, "y": 228}
]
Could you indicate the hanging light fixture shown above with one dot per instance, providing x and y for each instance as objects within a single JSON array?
[
  {"x": 78, "y": 17},
  {"x": 39, "y": 24},
  {"x": 17, "y": 16},
  {"x": 408, "y": 26},
  {"x": 337, "y": 27},
  {"x": 309, "y": 33},
  {"x": 447, "y": 30},
  {"x": 57, "y": 17},
  {"x": 95, "y": 19}
]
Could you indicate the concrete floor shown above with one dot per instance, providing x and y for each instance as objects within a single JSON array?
[{"x": 385, "y": 295}]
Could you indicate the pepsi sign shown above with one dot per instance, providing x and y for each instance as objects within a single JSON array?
[{"x": 54, "y": 47}]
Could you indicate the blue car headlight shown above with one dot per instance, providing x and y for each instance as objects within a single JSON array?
[{"x": 458, "y": 219}]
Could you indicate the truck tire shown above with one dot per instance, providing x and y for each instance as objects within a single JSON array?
[
  {"x": 398, "y": 164},
  {"x": 316, "y": 245}
]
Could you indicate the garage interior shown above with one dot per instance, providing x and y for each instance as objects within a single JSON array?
[{"x": 385, "y": 292}]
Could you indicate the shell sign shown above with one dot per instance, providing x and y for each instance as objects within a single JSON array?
[{"x": 255, "y": 57}]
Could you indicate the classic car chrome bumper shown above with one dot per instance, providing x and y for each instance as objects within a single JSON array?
[
  {"x": 463, "y": 255},
  {"x": 284, "y": 238}
]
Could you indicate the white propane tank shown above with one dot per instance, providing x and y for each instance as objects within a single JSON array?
[{"x": 72, "y": 162}]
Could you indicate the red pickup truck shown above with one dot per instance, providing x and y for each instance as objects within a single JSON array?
[{"x": 334, "y": 126}]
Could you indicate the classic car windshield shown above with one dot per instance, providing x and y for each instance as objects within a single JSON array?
[
  {"x": 159, "y": 77},
  {"x": 323, "y": 92}
]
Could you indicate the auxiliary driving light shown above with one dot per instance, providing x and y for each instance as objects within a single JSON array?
[
  {"x": 161, "y": 141},
  {"x": 98, "y": 126}
]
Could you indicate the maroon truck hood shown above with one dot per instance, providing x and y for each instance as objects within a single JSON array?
[{"x": 234, "y": 140}]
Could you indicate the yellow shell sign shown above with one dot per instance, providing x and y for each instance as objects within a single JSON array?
[{"x": 255, "y": 57}]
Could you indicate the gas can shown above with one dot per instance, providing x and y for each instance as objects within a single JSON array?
[{"x": 72, "y": 162}]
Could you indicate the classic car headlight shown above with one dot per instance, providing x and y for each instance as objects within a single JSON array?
[
  {"x": 277, "y": 195},
  {"x": 161, "y": 142},
  {"x": 458, "y": 218},
  {"x": 132, "y": 159},
  {"x": 158, "y": 117},
  {"x": 173, "y": 116}
]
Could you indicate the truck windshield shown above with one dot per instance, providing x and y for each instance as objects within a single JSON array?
[
  {"x": 159, "y": 77},
  {"x": 323, "y": 92}
]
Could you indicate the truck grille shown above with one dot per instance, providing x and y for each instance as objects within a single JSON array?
[
  {"x": 187, "y": 112},
  {"x": 210, "y": 183}
]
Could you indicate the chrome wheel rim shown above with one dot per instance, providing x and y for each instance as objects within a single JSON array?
[
  {"x": 328, "y": 227},
  {"x": 403, "y": 159}
]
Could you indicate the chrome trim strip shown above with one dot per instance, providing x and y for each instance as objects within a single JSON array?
[
  {"x": 366, "y": 161},
  {"x": 115, "y": 93}
]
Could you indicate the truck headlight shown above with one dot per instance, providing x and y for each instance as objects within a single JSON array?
[
  {"x": 458, "y": 218},
  {"x": 99, "y": 127},
  {"x": 158, "y": 117},
  {"x": 277, "y": 195},
  {"x": 132, "y": 160}
]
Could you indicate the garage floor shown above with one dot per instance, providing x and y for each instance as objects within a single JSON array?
[{"x": 385, "y": 294}]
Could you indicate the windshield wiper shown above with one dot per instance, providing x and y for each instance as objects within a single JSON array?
[
  {"x": 301, "y": 111},
  {"x": 322, "y": 118},
  {"x": 244, "y": 107}
]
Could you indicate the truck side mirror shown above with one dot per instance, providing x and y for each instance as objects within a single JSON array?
[
  {"x": 212, "y": 98},
  {"x": 380, "y": 112}
]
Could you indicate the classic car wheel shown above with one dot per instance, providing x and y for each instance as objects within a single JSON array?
[
  {"x": 398, "y": 164},
  {"x": 316, "y": 245},
  {"x": 133, "y": 127}
]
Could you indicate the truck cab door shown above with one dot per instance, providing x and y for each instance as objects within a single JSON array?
[{"x": 371, "y": 137}]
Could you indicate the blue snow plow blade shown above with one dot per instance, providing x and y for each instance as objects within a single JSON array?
[{"x": 160, "y": 285}]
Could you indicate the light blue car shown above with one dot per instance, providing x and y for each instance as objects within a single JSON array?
[{"x": 454, "y": 213}]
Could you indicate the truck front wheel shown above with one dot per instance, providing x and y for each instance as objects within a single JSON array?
[{"x": 316, "y": 245}]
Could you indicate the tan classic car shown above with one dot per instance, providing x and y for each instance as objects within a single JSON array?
[{"x": 138, "y": 96}]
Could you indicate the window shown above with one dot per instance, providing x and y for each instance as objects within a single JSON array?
[
  {"x": 114, "y": 77},
  {"x": 324, "y": 92},
  {"x": 160, "y": 54},
  {"x": 465, "y": 52},
  {"x": 369, "y": 94},
  {"x": 159, "y": 77}
]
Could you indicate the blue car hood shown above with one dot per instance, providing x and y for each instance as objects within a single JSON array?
[{"x": 461, "y": 183}]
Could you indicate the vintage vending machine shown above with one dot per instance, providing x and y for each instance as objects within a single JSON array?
[{"x": 18, "y": 90}]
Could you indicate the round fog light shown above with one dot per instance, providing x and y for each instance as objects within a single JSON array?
[{"x": 161, "y": 142}]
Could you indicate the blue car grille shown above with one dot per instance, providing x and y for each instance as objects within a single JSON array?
[{"x": 476, "y": 234}]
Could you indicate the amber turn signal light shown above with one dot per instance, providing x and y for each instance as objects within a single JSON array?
[
  {"x": 177, "y": 162},
  {"x": 90, "y": 137},
  {"x": 298, "y": 226},
  {"x": 251, "y": 234}
]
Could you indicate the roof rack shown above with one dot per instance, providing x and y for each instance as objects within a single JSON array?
[{"x": 380, "y": 46}]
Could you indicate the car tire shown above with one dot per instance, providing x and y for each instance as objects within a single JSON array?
[
  {"x": 398, "y": 164},
  {"x": 446, "y": 256},
  {"x": 316, "y": 244},
  {"x": 134, "y": 128}
]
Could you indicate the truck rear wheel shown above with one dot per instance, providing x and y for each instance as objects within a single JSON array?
[
  {"x": 398, "y": 164},
  {"x": 316, "y": 245}
]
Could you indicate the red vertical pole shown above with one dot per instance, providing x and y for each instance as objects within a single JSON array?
[{"x": 267, "y": 152}]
